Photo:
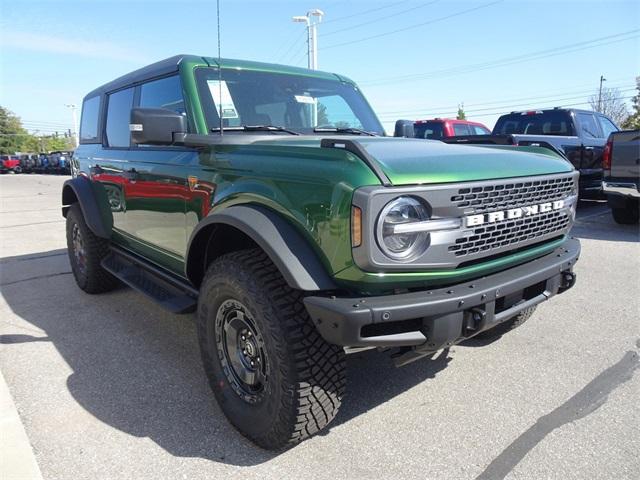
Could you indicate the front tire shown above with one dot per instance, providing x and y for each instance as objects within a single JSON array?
[
  {"x": 86, "y": 251},
  {"x": 273, "y": 375},
  {"x": 627, "y": 215}
]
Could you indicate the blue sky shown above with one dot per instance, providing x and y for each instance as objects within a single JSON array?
[{"x": 413, "y": 59}]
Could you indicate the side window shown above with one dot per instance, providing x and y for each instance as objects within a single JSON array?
[
  {"x": 588, "y": 125},
  {"x": 460, "y": 129},
  {"x": 607, "y": 125},
  {"x": 163, "y": 93},
  {"x": 89, "y": 122},
  {"x": 118, "y": 118},
  {"x": 478, "y": 130}
]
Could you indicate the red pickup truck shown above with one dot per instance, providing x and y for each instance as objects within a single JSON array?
[
  {"x": 440, "y": 128},
  {"x": 10, "y": 163}
]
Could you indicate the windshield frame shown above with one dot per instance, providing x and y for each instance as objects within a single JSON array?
[{"x": 361, "y": 110}]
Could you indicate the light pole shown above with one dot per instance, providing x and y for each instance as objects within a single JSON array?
[
  {"x": 602, "y": 79},
  {"x": 312, "y": 35},
  {"x": 73, "y": 108}
]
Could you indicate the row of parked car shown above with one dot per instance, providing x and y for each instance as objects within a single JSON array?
[{"x": 56, "y": 163}]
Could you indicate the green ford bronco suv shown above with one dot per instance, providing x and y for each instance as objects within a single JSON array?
[{"x": 268, "y": 199}]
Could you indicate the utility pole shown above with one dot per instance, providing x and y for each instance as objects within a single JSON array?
[
  {"x": 602, "y": 79},
  {"x": 312, "y": 35},
  {"x": 73, "y": 108}
]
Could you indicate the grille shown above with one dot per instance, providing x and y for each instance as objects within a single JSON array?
[
  {"x": 510, "y": 233},
  {"x": 513, "y": 194}
]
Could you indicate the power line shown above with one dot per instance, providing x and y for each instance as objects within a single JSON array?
[
  {"x": 499, "y": 103},
  {"x": 296, "y": 41},
  {"x": 376, "y": 20},
  {"x": 392, "y": 32},
  {"x": 570, "y": 48},
  {"x": 365, "y": 12},
  {"x": 509, "y": 108}
]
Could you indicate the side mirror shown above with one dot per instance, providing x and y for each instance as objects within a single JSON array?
[
  {"x": 404, "y": 128},
  {"x": 156, "y": 126}
]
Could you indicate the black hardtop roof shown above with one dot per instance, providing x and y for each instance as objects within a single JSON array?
[
  {"x": 171, "y": 65},
  {"x": 163, "y": 67}
]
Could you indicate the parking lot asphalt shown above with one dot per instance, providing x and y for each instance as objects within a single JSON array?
[{"x": 111, "y": 386}]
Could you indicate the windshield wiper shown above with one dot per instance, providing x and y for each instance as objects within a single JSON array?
[
  {"x": 256, "y": 128},
  {"x": 349, "y": 130}
]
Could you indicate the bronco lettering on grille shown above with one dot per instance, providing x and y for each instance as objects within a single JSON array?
[{"x": 512, "y": 214}]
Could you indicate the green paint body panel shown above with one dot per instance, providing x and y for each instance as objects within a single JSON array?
[{"x": 310, "y": 186}]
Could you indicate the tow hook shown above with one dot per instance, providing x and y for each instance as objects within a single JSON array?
[
  {"x": 568, "y": 281},
  {"x": 474, "y": 318}
]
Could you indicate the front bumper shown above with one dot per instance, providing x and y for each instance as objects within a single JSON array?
[
  {"x": 435, "y": 319},
  {"x": 626, "y": 189}
]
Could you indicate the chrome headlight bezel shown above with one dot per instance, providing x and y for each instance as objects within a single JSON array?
[{"x": 417, "y": 242}]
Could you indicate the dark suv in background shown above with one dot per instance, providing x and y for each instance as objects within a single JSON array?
[{"x": 580, "y": 135}]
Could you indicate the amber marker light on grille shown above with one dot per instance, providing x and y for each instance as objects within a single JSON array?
[{"x": 356, "y": 226}]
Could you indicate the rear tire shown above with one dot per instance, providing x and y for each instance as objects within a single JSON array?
[
  {"x": 86, "y": 251},
  {"x": 627, "y": 215},
  {"x": 508, "y": 325},
  {"x": 284, "y": 383}
]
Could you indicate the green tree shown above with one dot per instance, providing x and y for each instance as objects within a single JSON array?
[
  {"x": 633, "y": 121},
  {"x": 12, "y": 135},
  {"x": 461, "y": 114}
]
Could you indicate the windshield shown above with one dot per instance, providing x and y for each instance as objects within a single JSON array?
[
  {"x": 552, "y": 122},
  {"x": 295, "y": 102}
]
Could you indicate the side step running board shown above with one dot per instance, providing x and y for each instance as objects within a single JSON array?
[{"x": 167, "y": 290}]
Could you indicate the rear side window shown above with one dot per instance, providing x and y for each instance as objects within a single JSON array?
[
  {"x": 588, "y": 125},
  {"x": 461, "y": 129},
  {"x": 478, "y": 130},
  {"x": 430, "y": 130},
  {"x": 118, "y": 118},
  {"x": 551, "y": 122},
  {"x": 607, "y": 125},
  {"x": 164, "y": 93},
  {"x": 89, "y": 120}
]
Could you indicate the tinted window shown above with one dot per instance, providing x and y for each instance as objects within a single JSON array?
[
  {"x": 118, "y": 117},
  {"x": 461, "y": 129},
  {"x": 607, "y": 125},
  {"x": 551, "y": 122},
  {"x": 163, "y": 93},
  {"x": 588, "y": 125},
  {"x": 432, "y": 130},
  {"x": 478, "y": 130},
  {"x": 89, "y": 122}
]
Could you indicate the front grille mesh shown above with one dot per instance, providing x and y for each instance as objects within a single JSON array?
[
  {"x": 513, "y": 194},
  {"x": 510, "y": 232}
]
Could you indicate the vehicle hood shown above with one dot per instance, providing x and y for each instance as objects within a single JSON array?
[{"x": 412, "y": 161}]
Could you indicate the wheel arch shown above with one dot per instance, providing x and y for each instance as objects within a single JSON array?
[
  {"x": 93, "y": 203},
  {"x": 246, "y": 226}
]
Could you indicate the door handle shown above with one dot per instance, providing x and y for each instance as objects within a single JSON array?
[
  {"x": 588, "y": 148},
  {"x": 131, "y": 174}
]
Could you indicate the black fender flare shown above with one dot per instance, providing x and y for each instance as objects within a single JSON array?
[
  {"x": 286, "y": 247},
  {"x": 93, "y": 201}
]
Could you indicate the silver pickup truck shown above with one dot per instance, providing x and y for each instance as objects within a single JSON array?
[{"x": 621, "y": 184}]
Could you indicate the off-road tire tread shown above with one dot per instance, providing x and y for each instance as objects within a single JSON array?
[
  {"x": 312, "y": 400},
  {"x": 625, "y": 216},
  {"x": 98, "y": 280}
]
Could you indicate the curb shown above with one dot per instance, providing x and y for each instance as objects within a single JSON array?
[{"x": 17, "y": 460}]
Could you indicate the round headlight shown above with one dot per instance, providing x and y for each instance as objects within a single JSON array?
[{"x": 401, "y": 246}]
